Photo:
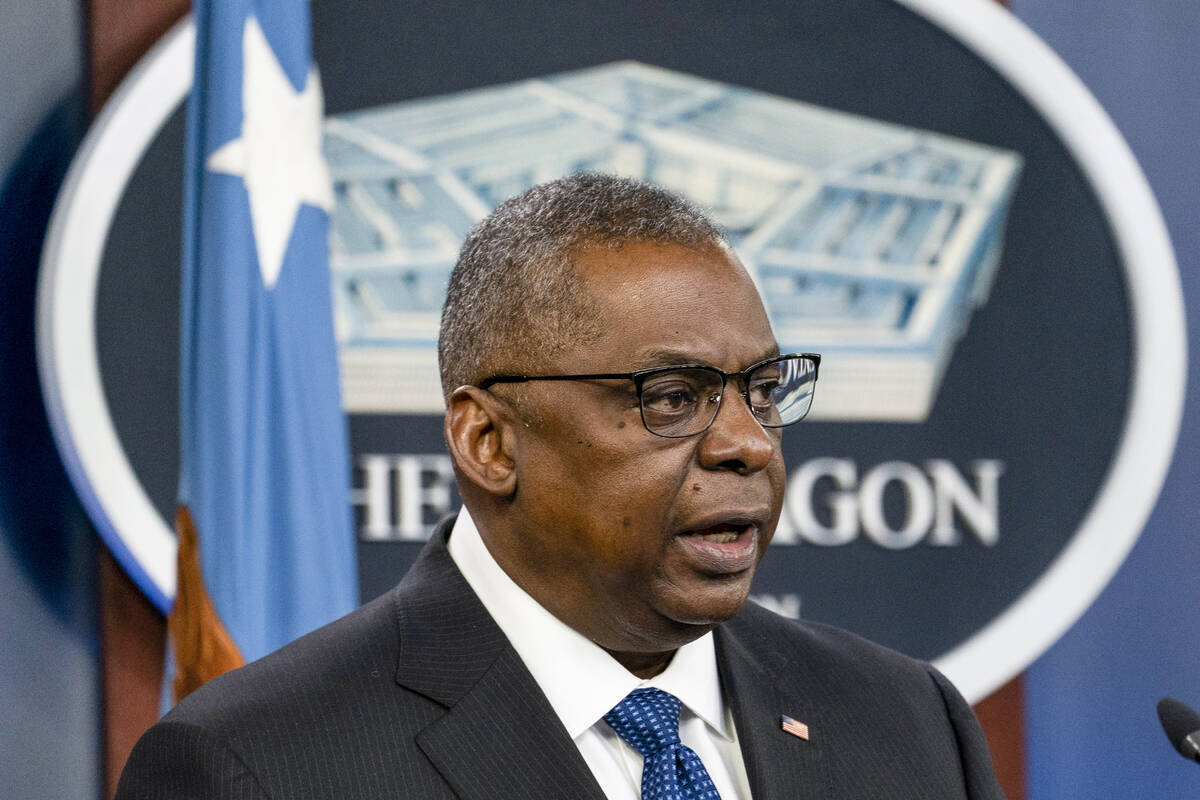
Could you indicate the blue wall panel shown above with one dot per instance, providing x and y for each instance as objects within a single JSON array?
[
  {"x": 1091, "y": 724},
  {"x": 49, "y": 662}
]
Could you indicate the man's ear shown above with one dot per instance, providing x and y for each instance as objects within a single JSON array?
[{"x": 481, "y": 439}]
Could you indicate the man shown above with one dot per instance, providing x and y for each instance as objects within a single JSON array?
[{"x": 615, "y": 404}]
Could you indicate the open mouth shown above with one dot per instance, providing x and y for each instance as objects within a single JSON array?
[
  {"x": 722, "y": 548},
  {"x": 719, "y": 534}
]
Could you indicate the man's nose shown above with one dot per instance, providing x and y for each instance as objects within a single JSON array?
[{"x": 735, "y": 440}]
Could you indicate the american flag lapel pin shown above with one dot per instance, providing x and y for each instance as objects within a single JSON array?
[{"x": 794, "y": 727}]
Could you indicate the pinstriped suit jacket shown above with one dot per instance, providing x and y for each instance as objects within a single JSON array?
[{"x": 418, "y": 694}]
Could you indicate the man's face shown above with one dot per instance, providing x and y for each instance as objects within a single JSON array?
[{"x": 643, "y": 543}]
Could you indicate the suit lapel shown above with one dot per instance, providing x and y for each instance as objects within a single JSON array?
[
  {"x": 502, "y": 739},
  {"x": 779, "y": 765},
  {"x": 499, "y": 736}
]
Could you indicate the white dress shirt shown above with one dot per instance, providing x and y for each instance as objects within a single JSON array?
[{"x": 583, "y": 682}]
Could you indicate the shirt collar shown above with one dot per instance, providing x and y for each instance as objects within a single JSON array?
[{"x": 581, "y": 680}]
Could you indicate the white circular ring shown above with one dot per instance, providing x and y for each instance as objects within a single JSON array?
[{"x": 145, "y": 543}]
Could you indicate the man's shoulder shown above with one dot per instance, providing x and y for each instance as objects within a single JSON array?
[
  {"x": 885, "y": 718},
  {"x": 309, "y": 714},
  {"x": 323, "y": 670},
  {"x": 817, "y": 649},
  {"x": 770, "y": 630}
]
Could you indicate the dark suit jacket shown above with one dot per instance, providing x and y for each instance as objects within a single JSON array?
[{"x": 418, "y": 694}]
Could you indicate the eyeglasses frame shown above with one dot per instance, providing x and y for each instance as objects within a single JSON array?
[{"x": 640, "y": 376}]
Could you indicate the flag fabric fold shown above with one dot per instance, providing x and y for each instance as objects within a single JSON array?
[{"x": 264, "y": 518}]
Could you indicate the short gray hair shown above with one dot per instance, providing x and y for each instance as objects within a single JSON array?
[{"x": 513, "y": 299}]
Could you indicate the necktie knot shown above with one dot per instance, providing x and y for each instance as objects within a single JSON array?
[{"x": 648, "y": 719}]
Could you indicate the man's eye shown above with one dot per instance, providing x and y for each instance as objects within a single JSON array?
[
  {"x": 762, "y": 393},
  {"x": 670, "y": 399}
]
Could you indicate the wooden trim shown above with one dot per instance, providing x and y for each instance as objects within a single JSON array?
[
  {"x": 119, "y": 33},
  {"x": 1002, "y": 715},
  {"x": 133, "y": 640},
  {"x": 132, "y": 631}
]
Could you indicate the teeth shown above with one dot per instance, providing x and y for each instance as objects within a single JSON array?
[{"x": 718, "y": 538}]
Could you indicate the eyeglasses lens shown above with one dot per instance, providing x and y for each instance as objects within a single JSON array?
[
  {"x": 684, "y": 402},
  {"x": 791, "y": 382},
  {"x": 680, "y": 402}
]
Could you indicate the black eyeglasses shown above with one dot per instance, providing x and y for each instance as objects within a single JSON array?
[{"x": 683, "y": 400}]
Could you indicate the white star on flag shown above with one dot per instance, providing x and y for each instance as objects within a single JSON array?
[{"x": 278, "y": 155}]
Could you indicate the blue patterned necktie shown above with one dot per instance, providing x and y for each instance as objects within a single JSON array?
[{"x": 648, "y": 719}]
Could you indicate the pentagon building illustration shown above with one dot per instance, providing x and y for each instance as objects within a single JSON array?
[{"x": 871, "y": 243}]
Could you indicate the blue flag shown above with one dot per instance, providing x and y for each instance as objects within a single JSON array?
[{"x": 265, "y": 464}]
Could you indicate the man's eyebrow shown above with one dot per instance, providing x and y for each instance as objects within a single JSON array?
[{"x": 666, "y": 358}]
